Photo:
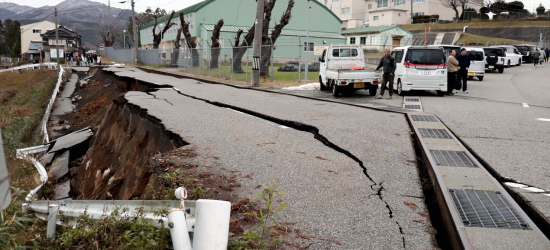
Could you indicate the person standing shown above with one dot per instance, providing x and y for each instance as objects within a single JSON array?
[
  {"x": 547, "y": 51},
  {"x": 452, "y": 68},
  {"x": 388, "y": 63},
  {"x": 462, "y": 73},
  {"x": 536, "y": 56}
]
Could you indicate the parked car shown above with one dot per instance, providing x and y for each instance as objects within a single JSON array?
[
  {"x": 420, "y": 68},
  {"x": 342, "y": 68},
  {"x": 494, "y": 59},
  {"x": 526, "y": 51},
  {"x": 447, "y": 49},
  {"x": 512, "y": 55},
  {"x": 477, "y": 63}
]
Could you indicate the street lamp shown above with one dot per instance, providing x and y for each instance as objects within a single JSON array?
[{"x": 124, "y": 34}]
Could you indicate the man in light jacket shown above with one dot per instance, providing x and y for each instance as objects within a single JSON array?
[{"x": 452, "y": 68}]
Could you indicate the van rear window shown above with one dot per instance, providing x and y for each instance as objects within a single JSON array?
[
  {"x": 425, "y": 56},
  {"x": 494, "y": 52},
  {"x": 476, "y": 55},
  {"x": 344, "y": 52}
]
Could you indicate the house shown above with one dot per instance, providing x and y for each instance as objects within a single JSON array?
[
  {"x": 378, "y": 38},
  {"x": 70, "y": 43},
  {"x": 351, "y": 12},
  {"x": 324, "y": 26},
  {"x": 30, "y": 33}
]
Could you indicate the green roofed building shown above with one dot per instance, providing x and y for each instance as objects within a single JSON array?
[{"x": 324, "y": 26}]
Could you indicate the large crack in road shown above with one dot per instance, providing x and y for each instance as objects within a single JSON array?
[{"x": 375, "y": 186}]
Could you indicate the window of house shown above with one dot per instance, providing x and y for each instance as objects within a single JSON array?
[
  {"x": 418, "y": 14},
  {"x": 345, "y": 10},
  {"x": 382, "y": 3},
  {"x": 373, "y": 40},
  {"x": 418, "y": 1},
  {"x": 375, "y": 18},
  {"x": 398, "y": 2},
  {"x": 369, "y": 6},
  {"x": 363, "y": 40},
  {"x": 352, "y": 40},
  {"x": 36, "y": 31},
  {"x": 308, "y": 48}
]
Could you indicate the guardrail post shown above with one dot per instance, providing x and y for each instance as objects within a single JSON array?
[
  {"x": 211, "y": 225},
  {"x": 52, "y": 220},
  {"x": 178, "y": 229}
]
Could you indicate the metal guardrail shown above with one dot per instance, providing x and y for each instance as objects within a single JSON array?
[
  {"x": 31, "y": 66},
  {"x": 5, "y": 195},
  {"x": 44, "y": 130}
]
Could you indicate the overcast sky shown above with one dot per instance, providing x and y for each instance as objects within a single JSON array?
[{"x": 168, "y": 5}]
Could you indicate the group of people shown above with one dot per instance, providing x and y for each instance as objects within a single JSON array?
[
  {"x": 85, "y": 60},
  {"x": 536, "y": 56},
  {"x": 457, "y": 72}
]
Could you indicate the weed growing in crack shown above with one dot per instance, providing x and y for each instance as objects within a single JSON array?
[{"x": 273, "y": 201}]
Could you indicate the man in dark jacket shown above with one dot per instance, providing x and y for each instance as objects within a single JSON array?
[
  {"x": 388, "y": 62},
  {"x": 547, "y": 51},
  {"x": 462, "y": 74}
]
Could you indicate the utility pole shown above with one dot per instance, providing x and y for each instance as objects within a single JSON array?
[
  {"x": 57, "y": 41},
  {"x": 257, "y": 46},
  {"x": 412, "y": 20},
  {"x": 307, "y": 42},
  {"x": 109, "y": 8},
  {"x": 134, "y": 27}
]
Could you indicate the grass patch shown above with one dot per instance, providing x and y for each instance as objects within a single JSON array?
[
  {"x": 475, "y": 40},
  {"x": 475, "y": 24}
]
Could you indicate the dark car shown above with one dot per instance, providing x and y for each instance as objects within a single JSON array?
[
  {"x": 526, "y": 51},
  {"x": 494, "y": 58}
]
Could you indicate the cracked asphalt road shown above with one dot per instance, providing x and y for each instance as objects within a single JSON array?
[{"x": 330, "y": 198}]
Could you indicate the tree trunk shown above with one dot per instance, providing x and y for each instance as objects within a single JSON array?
[
  {"x": 215, "y": 55},
  {"x": 265, "y": 61},
  {"x": 238, "y": 54}
]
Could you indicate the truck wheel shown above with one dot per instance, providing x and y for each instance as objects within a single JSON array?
[
  {"x": 500, "y": 70},
  {"x": 321, "y": 85},
  {"x": 372, "y": 90},
  {"x": 400, "y": 89},
  {"x": 480, "y": 78},
  {"x": 335, "y": 90}
]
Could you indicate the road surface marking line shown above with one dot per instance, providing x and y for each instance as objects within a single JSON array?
[
  {"x": 525, "y": 105},
  {"x": 544, "y": 119}
]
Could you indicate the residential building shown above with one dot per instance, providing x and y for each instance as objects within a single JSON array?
[
  {"x": 324, "y": 27},
  {"x": 351, "y": 12},
  {"x": 31, "y": 33},
  {"x": 378, "y": 38},
  {"x": 69, "y": 42}
]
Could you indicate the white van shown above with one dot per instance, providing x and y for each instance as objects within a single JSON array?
[
  {"x": 420, "y": 68},
  {"x": 477, "y": 62},
  {"x": 512, "y": 56}
]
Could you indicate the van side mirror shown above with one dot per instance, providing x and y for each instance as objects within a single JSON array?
[{"x": 321, "y": 59}]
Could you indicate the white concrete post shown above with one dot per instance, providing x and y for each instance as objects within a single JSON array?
[
  {"x": 211, "y": 225},
  {"x": 52, "y": 220},
  {"x": 25, "y": 208},
  {"x": 178, "y": 230}
]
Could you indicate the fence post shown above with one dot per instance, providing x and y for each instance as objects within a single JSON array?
[
  {"x": 52, "y": 220},
  {"x": 220, "y": 64},
  {"x": 300, "y": 60},
  {"x": 272, "y": 60},
  {"x": 247, "y": 53},
  {"x": 232, "y": 58},
  {"x": 210, "y": 58}
]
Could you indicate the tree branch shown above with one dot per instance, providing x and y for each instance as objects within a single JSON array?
[{"x": 216, "y": 34}]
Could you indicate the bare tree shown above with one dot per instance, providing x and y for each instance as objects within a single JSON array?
[
  {"x": 109, "y": 35},
  {"x": 190, "y": 41},
  {"x": 157, "y": 37},
  {"x": 462, "y": 4},
  {"x": 215, "y": 47},
  {"x": 266, "y": 39},
  {"x": 177, "y": 44}
]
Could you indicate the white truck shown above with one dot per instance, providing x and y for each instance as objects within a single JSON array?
[{"x": 342, "y": 68}]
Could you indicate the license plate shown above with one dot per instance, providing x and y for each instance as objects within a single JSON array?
[
  {"x": 359, "y": 85},
  {"x": 471, "y": 74},
  {"x": 425, "y": 72},
  {"x": 491, "y": 67}
]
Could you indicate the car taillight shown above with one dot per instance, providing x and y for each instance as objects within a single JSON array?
[
  {"x": 375, "y": 82},
  {"x": 344, "y": 83}
]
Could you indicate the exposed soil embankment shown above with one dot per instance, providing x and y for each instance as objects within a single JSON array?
[{"x": 116, "y": 165}]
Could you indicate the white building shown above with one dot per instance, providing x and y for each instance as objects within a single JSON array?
[
  {"x": 362, "y": 13},
  {"x": 32, "y": 32},
  {"x": 378, "y": 38}
]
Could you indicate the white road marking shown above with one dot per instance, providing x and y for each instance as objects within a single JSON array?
[
  {"x": 534, "y": 189},
  {"x": 525, "y": 105},
  {"x": 516, "y": 185},
  {"x": 544, "y": 119}
]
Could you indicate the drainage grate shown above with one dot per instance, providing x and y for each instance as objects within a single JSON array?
[
  {"x": 481, "y": 208},
  {"x": 434, "y": 133},
  {"x": 412, "y": 99},
  {"x": 452, "y": 158},
  {"x": 412, "y": 106},
  {"x": 424, "y": 118}
]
